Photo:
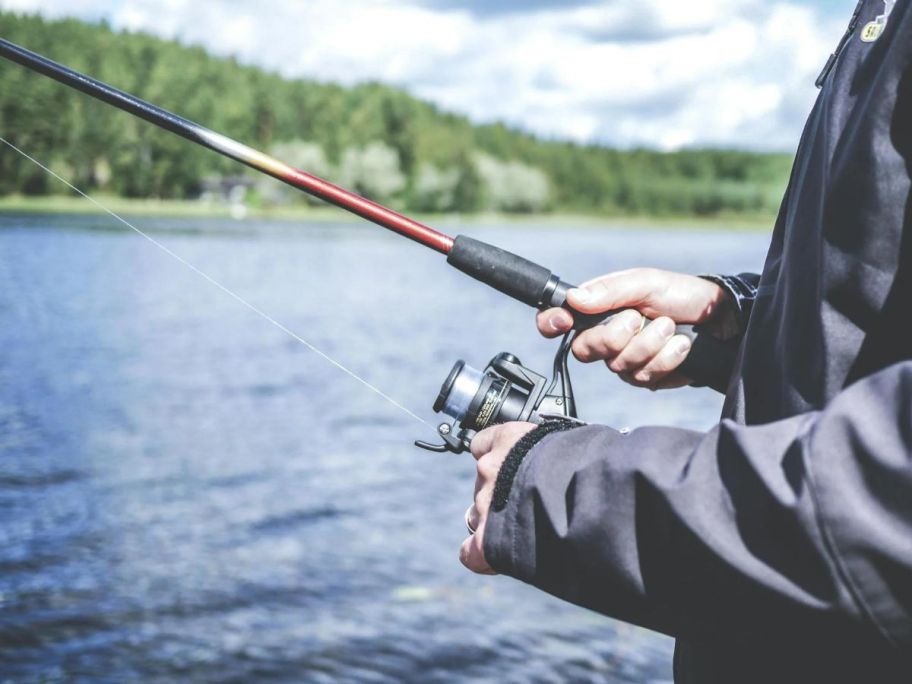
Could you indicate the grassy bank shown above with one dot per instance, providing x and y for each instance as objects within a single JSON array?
[{"x": 18, "y": 204}]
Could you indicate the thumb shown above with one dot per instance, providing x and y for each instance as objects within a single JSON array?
[{"x": 620, "y": 290}]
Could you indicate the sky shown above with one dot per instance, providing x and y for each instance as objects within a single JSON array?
[{"x": 656, "y": 73}]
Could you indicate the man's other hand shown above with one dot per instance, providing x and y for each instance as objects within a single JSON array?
[
  {"x": 489, "y": 447},
  {"x": 641, "y": 355}
]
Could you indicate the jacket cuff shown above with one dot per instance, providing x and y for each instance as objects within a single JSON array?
[
  {"x": 510, "y": 466},
  {"x": 500, "y": 528},
  {"x": 742, "y": 290}
]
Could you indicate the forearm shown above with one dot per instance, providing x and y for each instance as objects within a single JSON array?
[{"x": 686, "y": 532}]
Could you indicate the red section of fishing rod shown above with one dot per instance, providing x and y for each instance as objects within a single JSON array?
[{"x": 372, "y": 211}]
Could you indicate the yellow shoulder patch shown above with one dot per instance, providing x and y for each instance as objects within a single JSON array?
[{"x": 872, "y": 30}]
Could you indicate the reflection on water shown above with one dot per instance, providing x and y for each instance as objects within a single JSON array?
[{"x": 187, "y": 493}]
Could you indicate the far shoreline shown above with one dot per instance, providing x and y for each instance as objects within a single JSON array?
[{"x": 190, "y": 209}]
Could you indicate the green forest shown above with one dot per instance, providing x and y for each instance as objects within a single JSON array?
[{"x": 376, "y": 139}]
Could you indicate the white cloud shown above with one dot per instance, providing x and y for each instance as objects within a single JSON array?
[{"x": 655, "y": 72}]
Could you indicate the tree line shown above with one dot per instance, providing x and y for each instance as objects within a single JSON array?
[{"x": 374, "y": 138}]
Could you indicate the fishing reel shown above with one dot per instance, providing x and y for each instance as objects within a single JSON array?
[{"x": 504, "y": 391}]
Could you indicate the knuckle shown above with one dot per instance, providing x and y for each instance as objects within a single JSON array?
[
  {"x": 659, "y": 366},
  {"x": 657, "y": 334},
  {"x": 581, "y": 350},
  {"x": 618, "y": 365},
  {"x": 611, "y": 340},
  {"x": 634, "y": 353},
  {"x": 645, "y": 351},
  {"x": 484, "y": 442},
  {"x": 633, "y": 320},
  {"x": 657, "y": 326},
  {"x": 602, "y": 286},
  {"x": 486, "y": 468},
  {"x": 650, "y": 377},
  {"x": 669, "y": 358},
  {"x": 614, "y": 338},
  {"x": 641, "y": 273},
  {"x": 665, "y": 363},
  {"x": 654, "y": 274}
]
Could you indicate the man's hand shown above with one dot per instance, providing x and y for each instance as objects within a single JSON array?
[
  {"x": 642, "y": 356},
  {"x": 489, "y": 447}
]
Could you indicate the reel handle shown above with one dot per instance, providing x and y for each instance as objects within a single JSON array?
[{"x": 709, "y": 362}]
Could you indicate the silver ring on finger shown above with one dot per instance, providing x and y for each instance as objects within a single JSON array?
[{"x": 468, "y": 519}]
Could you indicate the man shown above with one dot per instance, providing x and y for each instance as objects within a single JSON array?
[{"x": 778, "y": 546}]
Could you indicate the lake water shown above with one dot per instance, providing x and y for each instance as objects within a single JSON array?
[{"x": 188, "y": 494}]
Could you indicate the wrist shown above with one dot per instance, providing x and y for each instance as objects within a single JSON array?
[
  {"x": 510, "y": 466},
  {"x": 724, "y": 317}
]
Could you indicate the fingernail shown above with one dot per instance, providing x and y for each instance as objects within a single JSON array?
[
  {"x": 581, "y": 295},
  {"x": 559, "y": 322},
  {"x": 666, "y": 327},
  {"x": 682, "y": 346}
]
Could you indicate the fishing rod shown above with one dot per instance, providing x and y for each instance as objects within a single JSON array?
[{"x": 506, "y": 272}]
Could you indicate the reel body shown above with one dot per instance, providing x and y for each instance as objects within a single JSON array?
[{"x": 504, "y": 391}]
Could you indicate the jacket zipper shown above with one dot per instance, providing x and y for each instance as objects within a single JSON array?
[{"x": 828, "y": 67}]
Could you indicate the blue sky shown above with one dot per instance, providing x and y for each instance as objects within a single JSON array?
[{"x": 660, "y": 73}]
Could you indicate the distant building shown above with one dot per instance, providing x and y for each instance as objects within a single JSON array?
[
  {"x": 229, "y": 190},
  {"x": 226, "y": 189}
]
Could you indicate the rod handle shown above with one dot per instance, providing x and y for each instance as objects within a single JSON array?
[
  {"x": 709, "y": 362},
  {"x": 509, "y": 273}
]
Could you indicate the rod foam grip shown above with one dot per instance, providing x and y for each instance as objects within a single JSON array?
[{"x": 504, "y": 271}]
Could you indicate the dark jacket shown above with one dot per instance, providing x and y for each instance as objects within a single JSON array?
[{"x": 778, "y": 546}]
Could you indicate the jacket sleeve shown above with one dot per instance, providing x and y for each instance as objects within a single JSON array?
[
  {"x": 742, "y": 292},
  {"x": 805, "y": 523}
]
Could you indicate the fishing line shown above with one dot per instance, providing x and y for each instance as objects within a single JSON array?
[
  {"x": 509, "y": 273},
  {"x": 223, "y": 288}
]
